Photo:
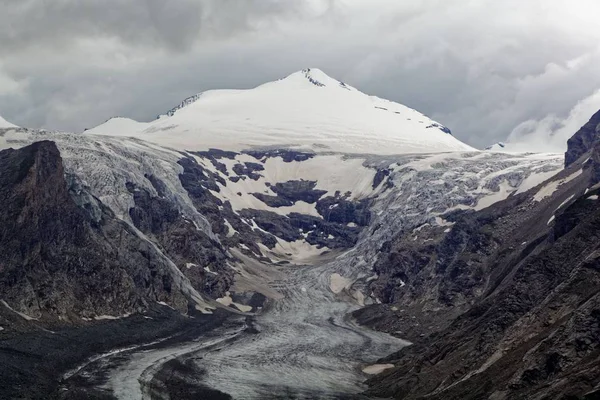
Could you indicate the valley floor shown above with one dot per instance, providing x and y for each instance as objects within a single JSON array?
[{"x": 303, "y": 346}]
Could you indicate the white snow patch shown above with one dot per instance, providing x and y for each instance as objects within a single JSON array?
[
  {"x": 338, "y": 283},
  {"x": 110, "y": 317},
  {"x": 565, "y": 202},
  {"x": 359, "y": 297},
  {"x": 207, "y": 269},
  {"x": 190, "y": 265},
  {"x": 535, "y": 179},
  {"x": 297, "y": 251},
  {"x": 593, "y": 197},
  {"x": 442, "y": 222},
  {"x": 22, "y": 315},
  {"x": 226, "y": 300},
  {"x": 230, "y": 229},
  {"x": 118, "y": 126},
  {"x": 504, "y": 191},
  {"x": 552, "y": 187},
  {"x": 242, "y": 307},
  {"x": 551, "y": 220},
  {"x": 377, "y": 368},
  {"x": 162, "y": 303},
  {"x": 331, "y": 172}
]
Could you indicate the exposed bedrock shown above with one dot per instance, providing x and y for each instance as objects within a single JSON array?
[
  {"x": 200, "y": 258},
  {"x": 288, "y": 193},
  {"x": 65, "y": 254},
  {"x": 286, "y": 155},
  {"x": 503, "y": 304},
  {"x": 584, "y": 140}
]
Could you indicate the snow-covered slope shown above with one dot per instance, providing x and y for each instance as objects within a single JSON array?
[
  {"x": 306, "y": 110},
  {"x": 117, "y": 125},
  {"x": 5, "y": 124}
]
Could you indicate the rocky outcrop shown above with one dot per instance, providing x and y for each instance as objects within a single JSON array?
[
  {"x": 296, "y": 226},
  {"x": 533, "y": 333},
  {"x": 64, "y": 254},
  {"x": 286, "y": 155},
  {"x": 288, "y": 193},
  {"x": 503, "y": 303},
  {"x": 584, "y": 140},
  {"x": 248, "y": 169},
  {"x": 200, "y": 258},
  {"x": 341, "y": 209}
]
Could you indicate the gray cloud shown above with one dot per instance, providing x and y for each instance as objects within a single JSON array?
[{"x": 481, "y": 67}]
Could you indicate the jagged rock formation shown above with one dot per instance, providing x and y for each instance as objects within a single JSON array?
[{"x": 584, "y": 140}]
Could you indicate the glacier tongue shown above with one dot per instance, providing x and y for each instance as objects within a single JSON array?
[{"x": 307, "y": 110}]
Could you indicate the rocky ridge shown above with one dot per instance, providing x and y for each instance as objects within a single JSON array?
[{"x": 505, "y": 304}]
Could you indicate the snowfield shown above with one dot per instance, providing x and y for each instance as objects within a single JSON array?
[{"x": 306, "y": 110}]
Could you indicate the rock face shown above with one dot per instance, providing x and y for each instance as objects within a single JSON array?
[
  {"x": 505, "y": 303},
  {"x": 64, "y": 254},
  {"x": 584, "y": 140}
]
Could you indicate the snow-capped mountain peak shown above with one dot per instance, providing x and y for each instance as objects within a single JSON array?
[
  {"x": 117, "y": 126},
  {"x": 4, "y": 124},
  {"x": 315, "y": 77},
  {"x": 307, "y": 110},
  {"x": 499, "y": 146}
]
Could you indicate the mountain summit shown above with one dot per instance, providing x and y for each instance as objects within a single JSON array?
[
  {"x": 5, "y": 124},
  {"x": 306, "y": 110}
]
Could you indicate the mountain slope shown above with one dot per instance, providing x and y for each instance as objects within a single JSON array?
[
  {"x": 65, "y": 254},
  {"x": 307, "y": 110},
  {"x": 505, "y": 305}
]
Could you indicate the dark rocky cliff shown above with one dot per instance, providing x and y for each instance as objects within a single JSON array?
[
  {"x": 506, "y": 305},
  {"x": 584, "y": 140},
  {"x": 64, "y": 254}
]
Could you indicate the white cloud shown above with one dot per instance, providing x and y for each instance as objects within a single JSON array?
[{"x": 550, "y": 134}]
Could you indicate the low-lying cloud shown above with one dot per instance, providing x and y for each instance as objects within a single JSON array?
[{"x": 550, "y": 134}]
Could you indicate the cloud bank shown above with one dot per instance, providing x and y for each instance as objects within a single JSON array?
[
  {"x": 487, "y": 69},
  {"x": 550, "y": 134}
]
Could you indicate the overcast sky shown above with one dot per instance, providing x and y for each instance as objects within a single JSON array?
[{"x": 488, "y": 69}]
